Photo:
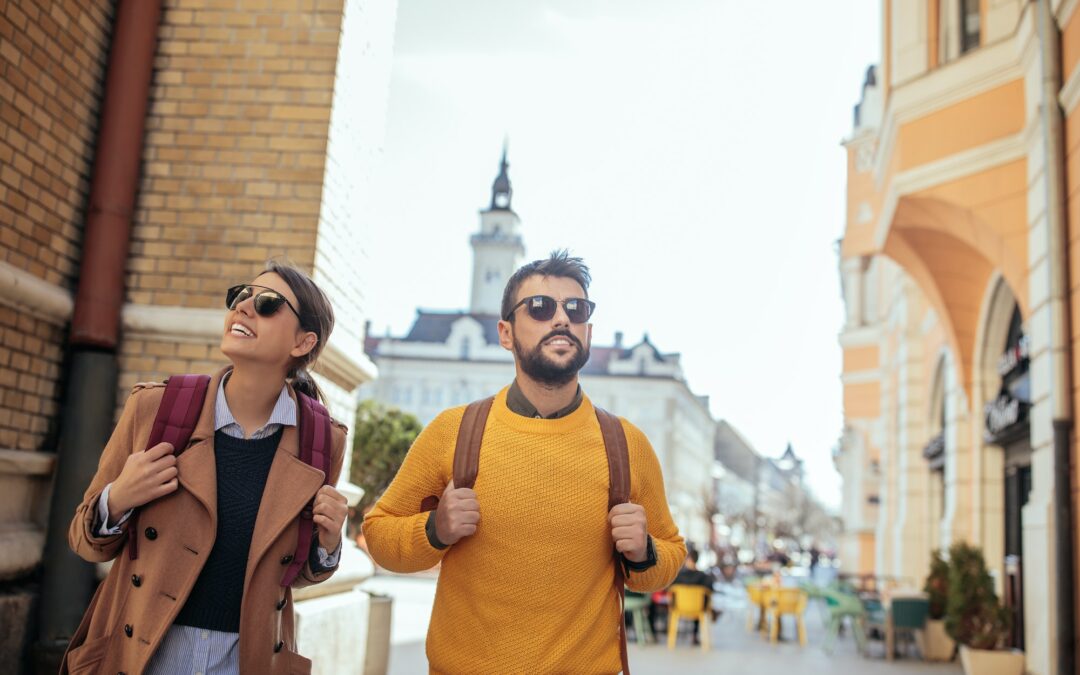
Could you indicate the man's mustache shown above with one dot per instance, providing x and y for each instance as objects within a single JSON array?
[{"x": 563, "y": 333}]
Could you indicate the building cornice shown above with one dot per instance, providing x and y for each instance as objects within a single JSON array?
[
  {"x": 25, "y": 292},
  {"x": 1065, "y": 12},
  {"x": 1070, "y": 93},
  {"x": 982, "y": 70},
  {"x": 861, "y": 376},
  {"x": 948, "y": 169},
  {"x": 860, "y": 336}
]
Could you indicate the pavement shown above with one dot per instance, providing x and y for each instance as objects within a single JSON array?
[{"x": 733, "y": 649}]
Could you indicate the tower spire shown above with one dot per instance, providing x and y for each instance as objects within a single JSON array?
[{"x": 501, "y": 190}]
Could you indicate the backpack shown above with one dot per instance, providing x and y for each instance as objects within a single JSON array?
[
  {"x": 467, "y": 464},
  {"x": 177, "y": 414}
]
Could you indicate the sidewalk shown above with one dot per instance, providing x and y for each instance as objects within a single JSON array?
[{"x": 733, "y": 648}]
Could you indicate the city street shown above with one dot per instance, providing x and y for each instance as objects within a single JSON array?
[{"x": 733, "y": 649}]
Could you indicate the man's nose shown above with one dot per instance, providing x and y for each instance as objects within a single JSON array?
[{"x": 561, "y": 318}]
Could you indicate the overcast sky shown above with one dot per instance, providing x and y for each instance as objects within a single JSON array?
[{"x": 689, "y": 150}]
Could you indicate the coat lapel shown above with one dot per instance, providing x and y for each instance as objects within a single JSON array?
[
  {"x": 289, "y": 487},
  {"x": 195, "y": 465}
]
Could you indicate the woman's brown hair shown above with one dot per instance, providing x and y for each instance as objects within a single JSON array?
[{"x": 316, "y": 315}]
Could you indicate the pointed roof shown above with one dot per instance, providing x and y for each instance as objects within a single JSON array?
[{"x": 501, "y": 189}]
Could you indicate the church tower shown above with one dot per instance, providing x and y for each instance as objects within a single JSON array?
[{"x": 497, "y": 248}]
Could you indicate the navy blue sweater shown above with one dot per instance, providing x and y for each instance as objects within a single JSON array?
[{"x": 242, "y": 468}]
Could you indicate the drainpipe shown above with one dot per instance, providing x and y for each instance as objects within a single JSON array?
[
  {"x": 86, "y": 418},
  {"x": 1061, "y": 380}
]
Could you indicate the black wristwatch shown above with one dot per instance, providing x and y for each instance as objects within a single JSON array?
[{"x": 648, "y": 563}]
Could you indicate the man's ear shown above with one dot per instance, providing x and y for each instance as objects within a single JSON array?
[
  {"x": 506, "y": 335},
  {"x": 304, "y": 344}
]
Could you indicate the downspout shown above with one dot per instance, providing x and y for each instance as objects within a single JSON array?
[
  {"x": 1061, "y": 381},
  {"x": 86, "y": 418}
]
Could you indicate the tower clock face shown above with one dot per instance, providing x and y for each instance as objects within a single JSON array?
[{"x": 502, "y": 200}]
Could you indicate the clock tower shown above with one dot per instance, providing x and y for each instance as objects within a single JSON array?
[{"x": 497, "y": 248}]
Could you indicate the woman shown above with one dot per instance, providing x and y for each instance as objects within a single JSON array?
[{"x": 218, "y": 522}]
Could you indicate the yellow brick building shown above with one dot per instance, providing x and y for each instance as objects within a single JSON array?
[
  {"x": 960, "y": 274},
  {"x": 264, "y": 122}
]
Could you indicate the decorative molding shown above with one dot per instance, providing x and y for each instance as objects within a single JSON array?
[
  {"x": 953, "y": 167},
  {"x": 1070, "y": 93},
  {"x": 25, "y": 476},
  {"x": 978, "y": 72},
  {"x": 25, "y": 292},
  {"x": 861, "y": 376},
  {"x": 183, "y": 323},
  {"x": 21, "y": 548},
  {"x": 154, "y": 322},
  {"x": 1065, "y": 11},
  {"x": 860, "y": 336},
  {"x": 27, "y": 462},
  {"x": 345, "y": 369}
]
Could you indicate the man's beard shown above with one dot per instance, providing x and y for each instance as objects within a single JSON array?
[{"x": 539, "y": 367}]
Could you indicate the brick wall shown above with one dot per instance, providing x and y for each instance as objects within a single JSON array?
[
  {"x": 235, "y": 156},
  {"x": 235, "y": 147},
  {"x": 52, "y": 63}
]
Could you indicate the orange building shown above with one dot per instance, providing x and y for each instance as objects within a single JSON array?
[{"x": 960, "y": 272}]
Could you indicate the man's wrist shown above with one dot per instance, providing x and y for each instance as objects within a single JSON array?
[
  {"x": 432, "y": 534},
  {"x": 650, "y": 558}
]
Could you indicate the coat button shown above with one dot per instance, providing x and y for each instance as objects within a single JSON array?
[
  {"x": 151, "y": 533},
  {"x": 136, "y": 580},
  {"x": 281, "y": 604},
  {"x": 286, "y": 559},
  {"x": 278, "y": 646},
  {"x": 127, "y": 629}
]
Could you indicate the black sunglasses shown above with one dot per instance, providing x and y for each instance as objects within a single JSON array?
[
  {"x": 267, "y": 301},
  {"x": 542, "y": 308}
]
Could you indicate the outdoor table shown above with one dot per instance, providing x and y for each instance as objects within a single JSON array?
[{"x": 890, "y": 632}]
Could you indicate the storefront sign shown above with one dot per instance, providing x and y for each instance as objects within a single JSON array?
[
  {"x": 1013, "y": 358},
  {"x": 1003, "y": 414}
]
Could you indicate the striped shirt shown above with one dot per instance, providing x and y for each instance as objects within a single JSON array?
[{"x": 188, "y": 650}]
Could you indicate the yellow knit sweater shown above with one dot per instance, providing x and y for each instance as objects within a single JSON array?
[{"x": 531, "y": 591}]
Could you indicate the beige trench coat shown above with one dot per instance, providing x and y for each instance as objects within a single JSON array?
[{"x": 138, "y": 601}]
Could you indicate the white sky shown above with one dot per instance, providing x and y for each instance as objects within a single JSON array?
[{"x": 687, "y": 149}]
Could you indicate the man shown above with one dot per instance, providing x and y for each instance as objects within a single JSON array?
[{"x": 527, "y": 555}]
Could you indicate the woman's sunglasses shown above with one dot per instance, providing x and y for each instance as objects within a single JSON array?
[
  {"x": 267, "y": 300},
  {"x": 542, "y": 308}
]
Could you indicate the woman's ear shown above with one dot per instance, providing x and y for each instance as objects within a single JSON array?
[{"x": 305, "y": 343}]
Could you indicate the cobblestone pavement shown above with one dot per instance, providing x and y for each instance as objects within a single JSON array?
[{"x": 733, "y": 648}]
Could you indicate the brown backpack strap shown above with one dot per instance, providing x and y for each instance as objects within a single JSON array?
[
  {"x": 470, "y": 436},
  {"x": 467, "y": 451},
  {"x": 618, "y": 493}
]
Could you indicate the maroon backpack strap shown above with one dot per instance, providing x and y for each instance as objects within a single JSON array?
[
  {"x": 467, "y": 451},
  {"x": 315, "y": 440},
  {"x": 618, "y": 493},
  {"x": 177, "y": 414}
]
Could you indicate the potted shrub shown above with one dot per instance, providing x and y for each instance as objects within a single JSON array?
[
  {"x": 938, "y": 645},
  {"x": 975, "y": 618}
]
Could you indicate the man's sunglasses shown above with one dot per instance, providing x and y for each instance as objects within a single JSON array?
[
  {"x": 542, "y": 308},
  {"x": 267, "y": 300}
]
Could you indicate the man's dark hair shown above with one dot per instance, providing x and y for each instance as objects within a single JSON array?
[
  {"x": 692, "y": 553},
  {"x": 559, "y": 264}
]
